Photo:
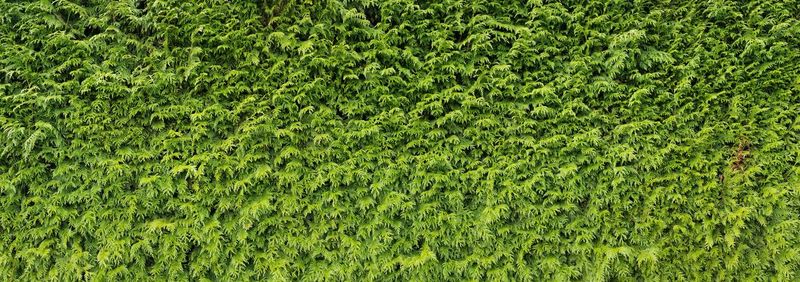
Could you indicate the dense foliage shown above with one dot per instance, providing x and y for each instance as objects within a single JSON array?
[{"x": 399, "y": 140}]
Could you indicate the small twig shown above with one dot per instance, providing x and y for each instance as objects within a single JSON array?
[{"x": 741, "y": 154}]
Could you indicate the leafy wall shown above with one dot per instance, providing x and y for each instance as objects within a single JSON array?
[{"x": 399, "y": 140}]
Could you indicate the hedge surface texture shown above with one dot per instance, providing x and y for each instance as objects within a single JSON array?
[{"x": 328, "y": 140}]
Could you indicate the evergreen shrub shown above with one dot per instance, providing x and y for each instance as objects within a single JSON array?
[{"x": 401, "y": 140}]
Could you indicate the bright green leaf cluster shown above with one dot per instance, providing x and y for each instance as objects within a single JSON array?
[{"x": 350, "y": 140}]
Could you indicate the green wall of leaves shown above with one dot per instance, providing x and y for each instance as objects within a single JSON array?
[{"x": 338, "y": 140}]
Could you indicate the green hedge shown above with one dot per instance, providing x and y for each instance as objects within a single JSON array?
[{"x": 339, "y": 140}]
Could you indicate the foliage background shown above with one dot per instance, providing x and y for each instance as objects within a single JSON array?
[{"x": 399, "y": 140}]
